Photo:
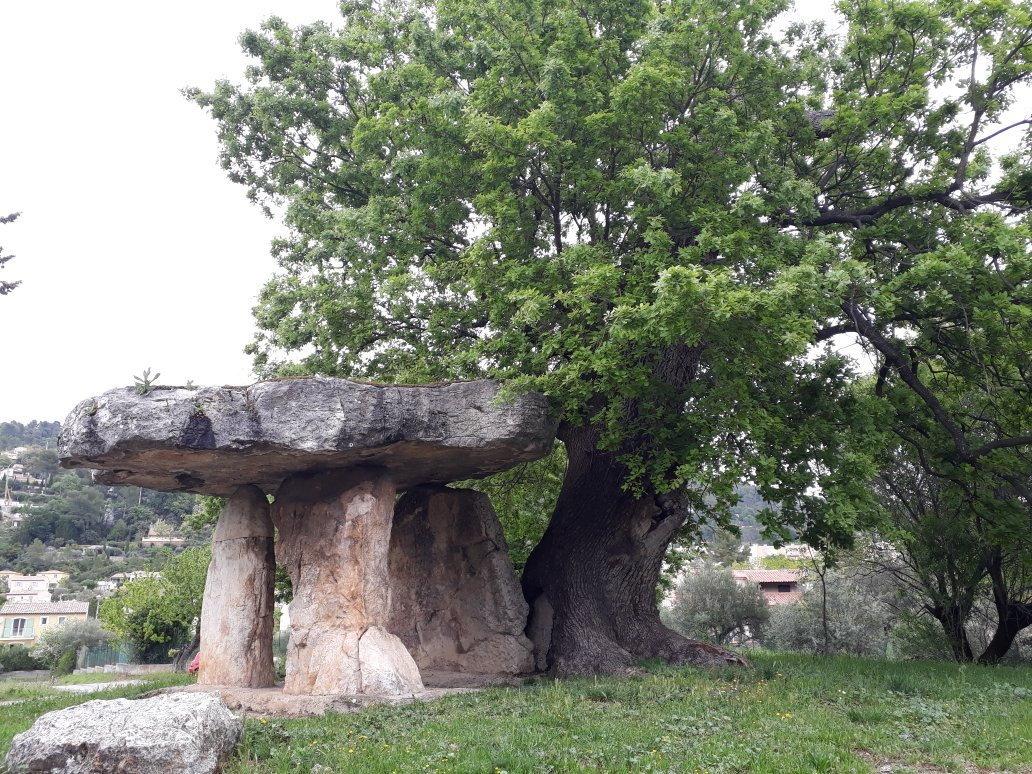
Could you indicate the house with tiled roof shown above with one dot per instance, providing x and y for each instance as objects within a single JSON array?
[
  {"x": 22, "y": 623},
  {"x": 780, "y": 587}
]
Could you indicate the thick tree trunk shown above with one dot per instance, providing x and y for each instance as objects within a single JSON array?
[
  {"x": 591, "y": 581},
  {"x": 186, "y": 655},
  {"x": 953, "y": 618},
  {"x": 1011, "y": 617}
]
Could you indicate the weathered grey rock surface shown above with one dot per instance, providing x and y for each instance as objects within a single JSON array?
[
  {"x": 237, "y": 614},
  {"x": 455, "y": 599},
  {"x": 184, "y": 733},
  {"x": 334, "y": 535},
  {"x": 215, "y": 439}
]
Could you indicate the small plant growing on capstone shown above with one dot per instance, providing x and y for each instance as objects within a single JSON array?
[
  {"x": 145, "y": 383},
  {"x": 190, "y": 385}
]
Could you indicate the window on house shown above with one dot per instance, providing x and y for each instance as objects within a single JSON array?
[
  {"x": 43, "y": 621},
  {"x": 18, "y": 627},
  {"x": 784, "y": 587},
  {"x": 61, "y": 619}
]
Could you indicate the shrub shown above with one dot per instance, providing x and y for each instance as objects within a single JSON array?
[
  {"x": 155, "y": 614},
  {"x": 857, "y": 624},
  {"x": 920, "y": 637},
  {"x": 17, "y": 658},
  {"x": 65, "y": 664},
  {"x": 708, "y": 604},
  {"x": 55, "y": 642}
]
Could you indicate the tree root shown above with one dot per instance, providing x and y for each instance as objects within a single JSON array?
[{"x": 675, "y": 649}]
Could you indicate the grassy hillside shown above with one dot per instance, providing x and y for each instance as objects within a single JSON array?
[{"x": 791, "y": 713}]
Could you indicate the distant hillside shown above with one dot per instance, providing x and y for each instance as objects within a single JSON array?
[
  {"x": 744, "y": 516},
  {"x": 35, "y": 433},
  {"x": 61, "y": 519}
]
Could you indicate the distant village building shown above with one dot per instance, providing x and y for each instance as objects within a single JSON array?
[
  {"x": 759, "y": 551},
  {"x": 54, "y": 577},
  {"x": 107, "y": 587},
  {"x": 780, "y": 587},
  {"x": 163, "y": 540},
  {"x": 17, "y": 472},
  {"x": 32, "y": 588},
  {"x": 21, "y": 624},
  {"x": 161, "y": 533},
  {"x": 124, "y": 577}
]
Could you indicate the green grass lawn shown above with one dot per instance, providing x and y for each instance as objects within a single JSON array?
[
  {"x": 791, "y": 713},
  {"x": 97, "y": 677}
]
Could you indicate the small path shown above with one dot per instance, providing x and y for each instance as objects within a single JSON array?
[{"x": 94, "y": 687}]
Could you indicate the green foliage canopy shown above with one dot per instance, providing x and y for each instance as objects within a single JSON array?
[
  {"x": 161, "y": 610},
  {"x": 6, "y": 286},
  {"x": 35, "y": 433},
  {"x": 648, "y": 210}
]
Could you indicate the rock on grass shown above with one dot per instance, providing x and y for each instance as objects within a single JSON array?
[{"x": 170, "y": 734}]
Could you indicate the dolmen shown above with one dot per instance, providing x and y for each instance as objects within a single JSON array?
[{"x": 383, "y": 587}]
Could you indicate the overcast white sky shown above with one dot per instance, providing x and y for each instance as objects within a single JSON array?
[{"x": 133, "y": 248}]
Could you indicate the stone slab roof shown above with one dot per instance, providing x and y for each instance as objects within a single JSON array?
[{"x": 214, "y": 439}]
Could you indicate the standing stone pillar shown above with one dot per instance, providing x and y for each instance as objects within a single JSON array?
[
  {"x": 237, "y": 612},
  {"x": 334, "y": 536},
  {"x": 456, "y": 602}
]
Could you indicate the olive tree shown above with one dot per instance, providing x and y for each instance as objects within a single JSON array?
[{"x": 709, "y": 604}]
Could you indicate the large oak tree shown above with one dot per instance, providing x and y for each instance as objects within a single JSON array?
[{"x": 659, "y": 213}]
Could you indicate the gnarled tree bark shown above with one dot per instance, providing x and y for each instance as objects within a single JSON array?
[
  {"x": 591, "y": 581},
  {"x": 1011, "y": 616},
  {"x": 953, "y": 618}
]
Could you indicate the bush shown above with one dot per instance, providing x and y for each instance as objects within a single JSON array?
[
  {"x": 65, "y": 664},
  {"x": 920, "y": 637},
  {"x": 710, "y": 605},
  {"x": 17, "y": 658},
  {"x": 154, "y": 615},
  {"x": 56, "y": 642},
  {"x": 857, "y": 624}
]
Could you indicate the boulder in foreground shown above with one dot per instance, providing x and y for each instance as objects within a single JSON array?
[{"x": 179, "y": 733}]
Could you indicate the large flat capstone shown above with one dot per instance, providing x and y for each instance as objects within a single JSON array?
[{"x": 213, "y": 440}]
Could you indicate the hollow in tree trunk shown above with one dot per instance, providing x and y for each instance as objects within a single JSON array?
[{"x": 591, "y": 581}]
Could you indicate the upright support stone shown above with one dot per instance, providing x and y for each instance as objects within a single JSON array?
[
  {"x": 455, "y": 600},
  {"x": 237, "y": 612},
  {"x": 334, "y": 536}
]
